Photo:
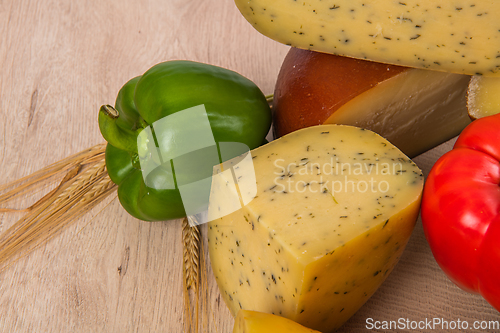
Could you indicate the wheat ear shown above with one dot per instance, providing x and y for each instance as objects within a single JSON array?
[
  {"x": 85, "y": 185},
  {"x": 191, "y": 240}
]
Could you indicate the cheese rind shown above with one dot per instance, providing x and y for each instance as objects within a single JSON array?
[
  {"x": 258, "y": 322},
  {"x": 454, "y": 36},
  {"x": 334, "y": 209}
]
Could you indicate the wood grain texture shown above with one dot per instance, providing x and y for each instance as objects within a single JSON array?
[{"x": 108, "y": 272}]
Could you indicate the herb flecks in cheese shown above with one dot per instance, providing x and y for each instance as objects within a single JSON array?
[
  {"x": 455, "y": 36},
  {"x": 334, "y": 209}
]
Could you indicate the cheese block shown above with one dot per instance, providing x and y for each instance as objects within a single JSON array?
[
  {"x": 333, "y": 209},
  {"x": 483, "y": 97},
  {"x": 414, "y": 109},
  {"x": 453, "y": 36},
  {"x": 258, "y": 322}
]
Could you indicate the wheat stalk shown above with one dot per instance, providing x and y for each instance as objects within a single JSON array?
[
  {"x": 69, "y": 165},
  {"x": 85, "y": 184},
  {"x": 191, "y": 253},
  {"x": 191, "y": 244}
]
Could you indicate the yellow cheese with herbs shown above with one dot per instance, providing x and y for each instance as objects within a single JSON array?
[
  {"x": 332, "y": 212},
  {"x": 454, "y": 36},
  {"x": 258, "y": 322}
]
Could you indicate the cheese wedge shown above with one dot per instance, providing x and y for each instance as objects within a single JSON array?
[
  {"x": 483, "y": 96},
  {"x": 453, "y": 36},
  {"x": 334, "y": 208},
  {"x": 414, "y": 109},
  {"x": 258, "y": 322}
]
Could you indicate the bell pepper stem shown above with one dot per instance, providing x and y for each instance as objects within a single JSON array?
[
  {"x": 269, "y": 99},
  {"x": 115, "y": 135}
]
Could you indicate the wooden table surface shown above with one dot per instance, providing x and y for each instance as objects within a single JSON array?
[{"x": 108, "y": 272}]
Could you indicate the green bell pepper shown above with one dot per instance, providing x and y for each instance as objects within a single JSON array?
[{"x": 237, "y": 112}]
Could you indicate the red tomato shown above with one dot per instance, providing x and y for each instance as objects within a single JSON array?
[{"x": 461, "y": 210}]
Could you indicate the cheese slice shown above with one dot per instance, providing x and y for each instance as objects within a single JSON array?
[
  {"x": 258, "y": 322},
  {"x": 334, "y": 208},
  {"x": 483, "y": 96},
  {"x": 454, "y": 36}
]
